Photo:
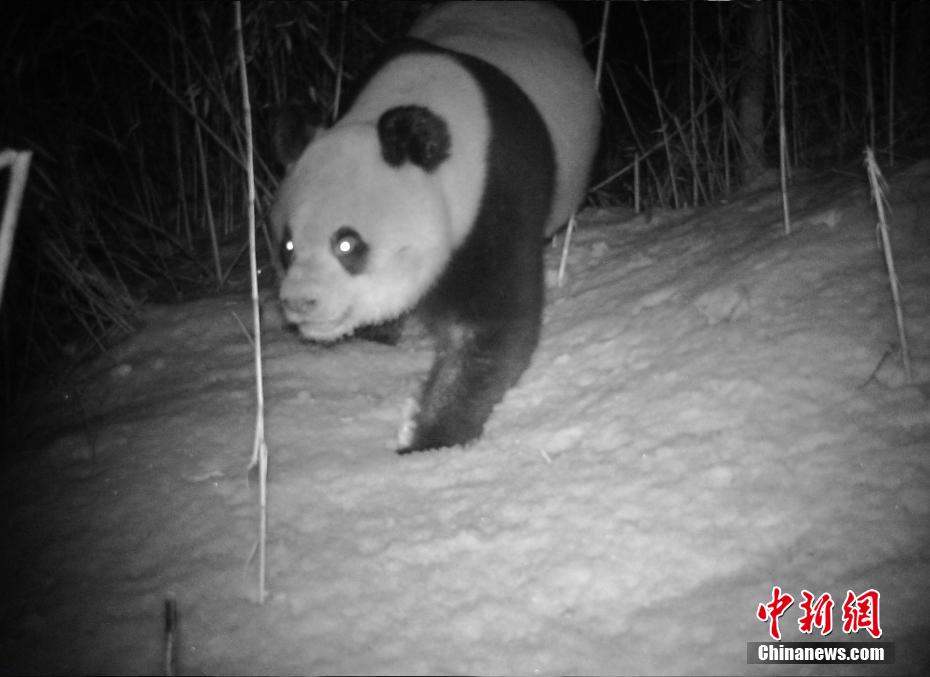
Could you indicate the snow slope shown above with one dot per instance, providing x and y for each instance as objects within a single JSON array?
[{"x": 713, "y": 411}]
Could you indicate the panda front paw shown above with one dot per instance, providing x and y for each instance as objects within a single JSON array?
[
  {"x": 420, "y": 432},
  {"x": 408, "y": 426}
]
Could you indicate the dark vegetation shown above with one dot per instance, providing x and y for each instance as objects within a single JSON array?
[{"x": 137, "y": 187}]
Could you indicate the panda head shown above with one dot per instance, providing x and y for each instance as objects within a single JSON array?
[{"x": 361, "y": 222}]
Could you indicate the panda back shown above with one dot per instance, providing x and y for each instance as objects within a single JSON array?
[{"x": 538, "y": 47}]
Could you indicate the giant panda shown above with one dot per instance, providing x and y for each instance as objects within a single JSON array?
[{"x": 469, "y": 143}]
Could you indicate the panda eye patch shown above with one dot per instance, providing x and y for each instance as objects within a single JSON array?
[
  {"x": 350, "y": 249},
  {"x": 287, "y": 251}
]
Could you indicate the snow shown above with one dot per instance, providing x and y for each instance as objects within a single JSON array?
[{"x": 715, "y": 409}]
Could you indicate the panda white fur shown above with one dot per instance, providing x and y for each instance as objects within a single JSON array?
[{"x": 469, "y": 143}]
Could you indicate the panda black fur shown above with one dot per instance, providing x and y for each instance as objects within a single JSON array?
[{"x": 435, "y": 191}]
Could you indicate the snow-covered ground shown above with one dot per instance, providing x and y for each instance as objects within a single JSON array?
[{"x": 715, "y": 409}]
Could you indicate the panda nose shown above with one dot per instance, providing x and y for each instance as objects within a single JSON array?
[{"x": 299, "y": 306}]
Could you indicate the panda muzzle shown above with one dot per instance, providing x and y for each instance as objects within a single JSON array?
[{"x": 299, "y": 307}]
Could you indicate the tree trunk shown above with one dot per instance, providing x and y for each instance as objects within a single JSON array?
[
  {"x": 916, "y": 51},
  {"x": 752, "y": 93}
]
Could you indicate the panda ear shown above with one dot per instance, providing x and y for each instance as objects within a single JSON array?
[
  {"x": 294, "y": 128},
  {"x": 413, "y": 134}
]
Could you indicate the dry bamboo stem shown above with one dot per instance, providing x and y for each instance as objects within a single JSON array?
[
  {"x": 879, "y": 190},
  {"x": 566, "y": 245},
  {"x": 204, "y": 177},
  {"x": 782, "y": 135},
  {"x": 658, "y": 101},
  {"x": 694, "y": 170},
  {"x": 259, "y": 448},
  {"x": 891, "y": 50},
  {"x": 637, "y": 200},
  {"x": 869, "y": 91},
  {"x": 19, "y": 170},
  {"x": 602, "y": 43},
  {"x": 340, "y": 74}
]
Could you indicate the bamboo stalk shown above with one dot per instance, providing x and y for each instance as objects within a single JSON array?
[
  {"x": 183, "y": 220},
  {"x": 782, "y": 136},
  {"x": 658, "y": 103},
  {"x": 794, "y": 156},
  {"x": 891, "y": 60},
  {"x": 602, "y": 43},
  {"x": 843, "y": 104},
  {"x": 566, "y": 246},
  {"x": 19, "y": 171},
  {"x": 721, "y": 93},
  {"x": 692, "y": 157},
  {"x": 869, "y": 91},
  {"x": 259, "y": 448},
  {"x": 637, "y": 199},
  {"x": 340, "y": 66},
  {"x": 205, "y": 183},
  {"x": 198, "y": 120},
  {"x": 632, "y": 127},
  {"x": 879, "y": 196},
  {"x": 694, "y": 170}
]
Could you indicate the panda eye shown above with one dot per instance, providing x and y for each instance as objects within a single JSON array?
[
  {"x": 287, "y": 251},
  {"x": 350, "y": 249}
]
